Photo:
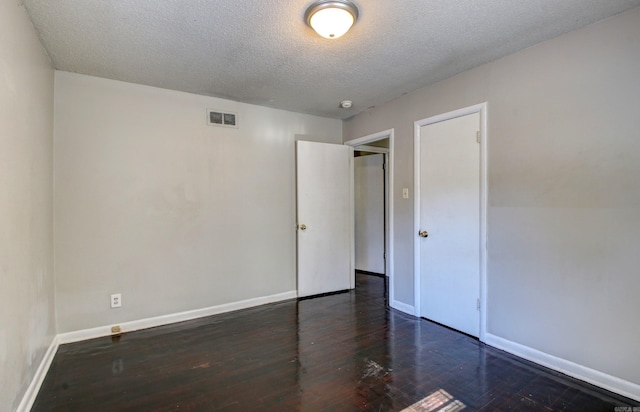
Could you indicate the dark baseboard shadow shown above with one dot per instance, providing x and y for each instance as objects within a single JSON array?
[{"x": 364, "y": 272}]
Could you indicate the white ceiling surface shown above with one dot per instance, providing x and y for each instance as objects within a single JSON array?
[{"x": 262, "y": 52}]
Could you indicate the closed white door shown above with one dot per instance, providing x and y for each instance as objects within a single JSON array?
[
  {"x": 449, "y": 221},
  {"x": 369, "y": 213},
  {"x": 325, "y": 218}
]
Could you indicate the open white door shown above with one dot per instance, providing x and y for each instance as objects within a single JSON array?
[{"x": 325, "y": 218}]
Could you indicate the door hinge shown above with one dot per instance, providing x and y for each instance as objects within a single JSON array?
[
  {"x": 384, "y": 255},
  {"x": 478, "y": 136},
  {"x": 478, "y": 304},
  {"x": 384, "y": 165}
]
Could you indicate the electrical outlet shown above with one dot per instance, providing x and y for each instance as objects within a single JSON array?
[
  {"x": 116, "y": 329},
  {"x": 116, "y": 300}
]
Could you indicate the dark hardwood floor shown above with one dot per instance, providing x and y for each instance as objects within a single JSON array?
[{"x": 342, "y": 352}]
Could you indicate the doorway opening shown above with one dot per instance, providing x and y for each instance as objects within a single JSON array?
[
  {"x": 373, "y": 208},
  {"x": 369, "y": 211}
]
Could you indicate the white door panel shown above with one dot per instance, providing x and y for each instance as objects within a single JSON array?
[
  {"x": 450, "y": 213},
  {"x": 325, "y": 211},
  {"x": 369, "y": 213}
]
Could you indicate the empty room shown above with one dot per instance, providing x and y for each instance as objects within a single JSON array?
[{"x": 319, "y": 205}]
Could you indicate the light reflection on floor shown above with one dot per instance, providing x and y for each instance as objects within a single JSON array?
[{"x": 439, "y": 400}]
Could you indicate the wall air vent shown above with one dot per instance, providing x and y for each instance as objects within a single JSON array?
[{"x": 224, "y": 119}]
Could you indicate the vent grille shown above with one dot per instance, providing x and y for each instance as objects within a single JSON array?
[{"x": 224, "y": 119}]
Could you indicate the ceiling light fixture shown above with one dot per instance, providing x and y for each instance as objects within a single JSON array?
[{"x": 331, "y": 19}]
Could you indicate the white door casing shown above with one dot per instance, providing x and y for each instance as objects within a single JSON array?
[
  {"x": 324, "y": 184},
  {"x": 369, "y": 213},
  {"x": 390, "y": 231},
  {"x": 450, "y": 204}
]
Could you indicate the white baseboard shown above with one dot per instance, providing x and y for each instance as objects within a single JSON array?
[
  {"x": 79, "y": 335},
  {"x": 30, "y": 394},
  {"x": 403, "y": 307},
  {"x": 603, "y": 380}
]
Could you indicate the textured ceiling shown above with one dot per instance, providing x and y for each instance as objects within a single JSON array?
[{"x": 261, "y": 51}]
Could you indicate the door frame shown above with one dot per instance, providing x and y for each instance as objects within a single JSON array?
[
  {"x": 482, "y": 241},
  {"x": 362, "y": 141}
]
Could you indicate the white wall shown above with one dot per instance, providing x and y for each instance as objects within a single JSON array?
[
  {"x": 176, "y": 215},
  {"x": 27, "y": 324},
  {"x": 564, "y": 191}
]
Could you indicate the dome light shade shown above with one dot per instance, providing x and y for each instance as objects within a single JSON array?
[{"x": 331, "y": 19}]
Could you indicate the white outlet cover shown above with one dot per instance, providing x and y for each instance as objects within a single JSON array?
[{"x": 116, "y": 300}]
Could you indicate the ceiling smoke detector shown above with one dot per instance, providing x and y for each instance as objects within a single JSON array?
[{"x": 346, "y": 104}]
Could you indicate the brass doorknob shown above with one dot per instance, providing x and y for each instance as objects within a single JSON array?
[
  {"x": 423, "y": 233},
  {"x": 303, "y": 227}
]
